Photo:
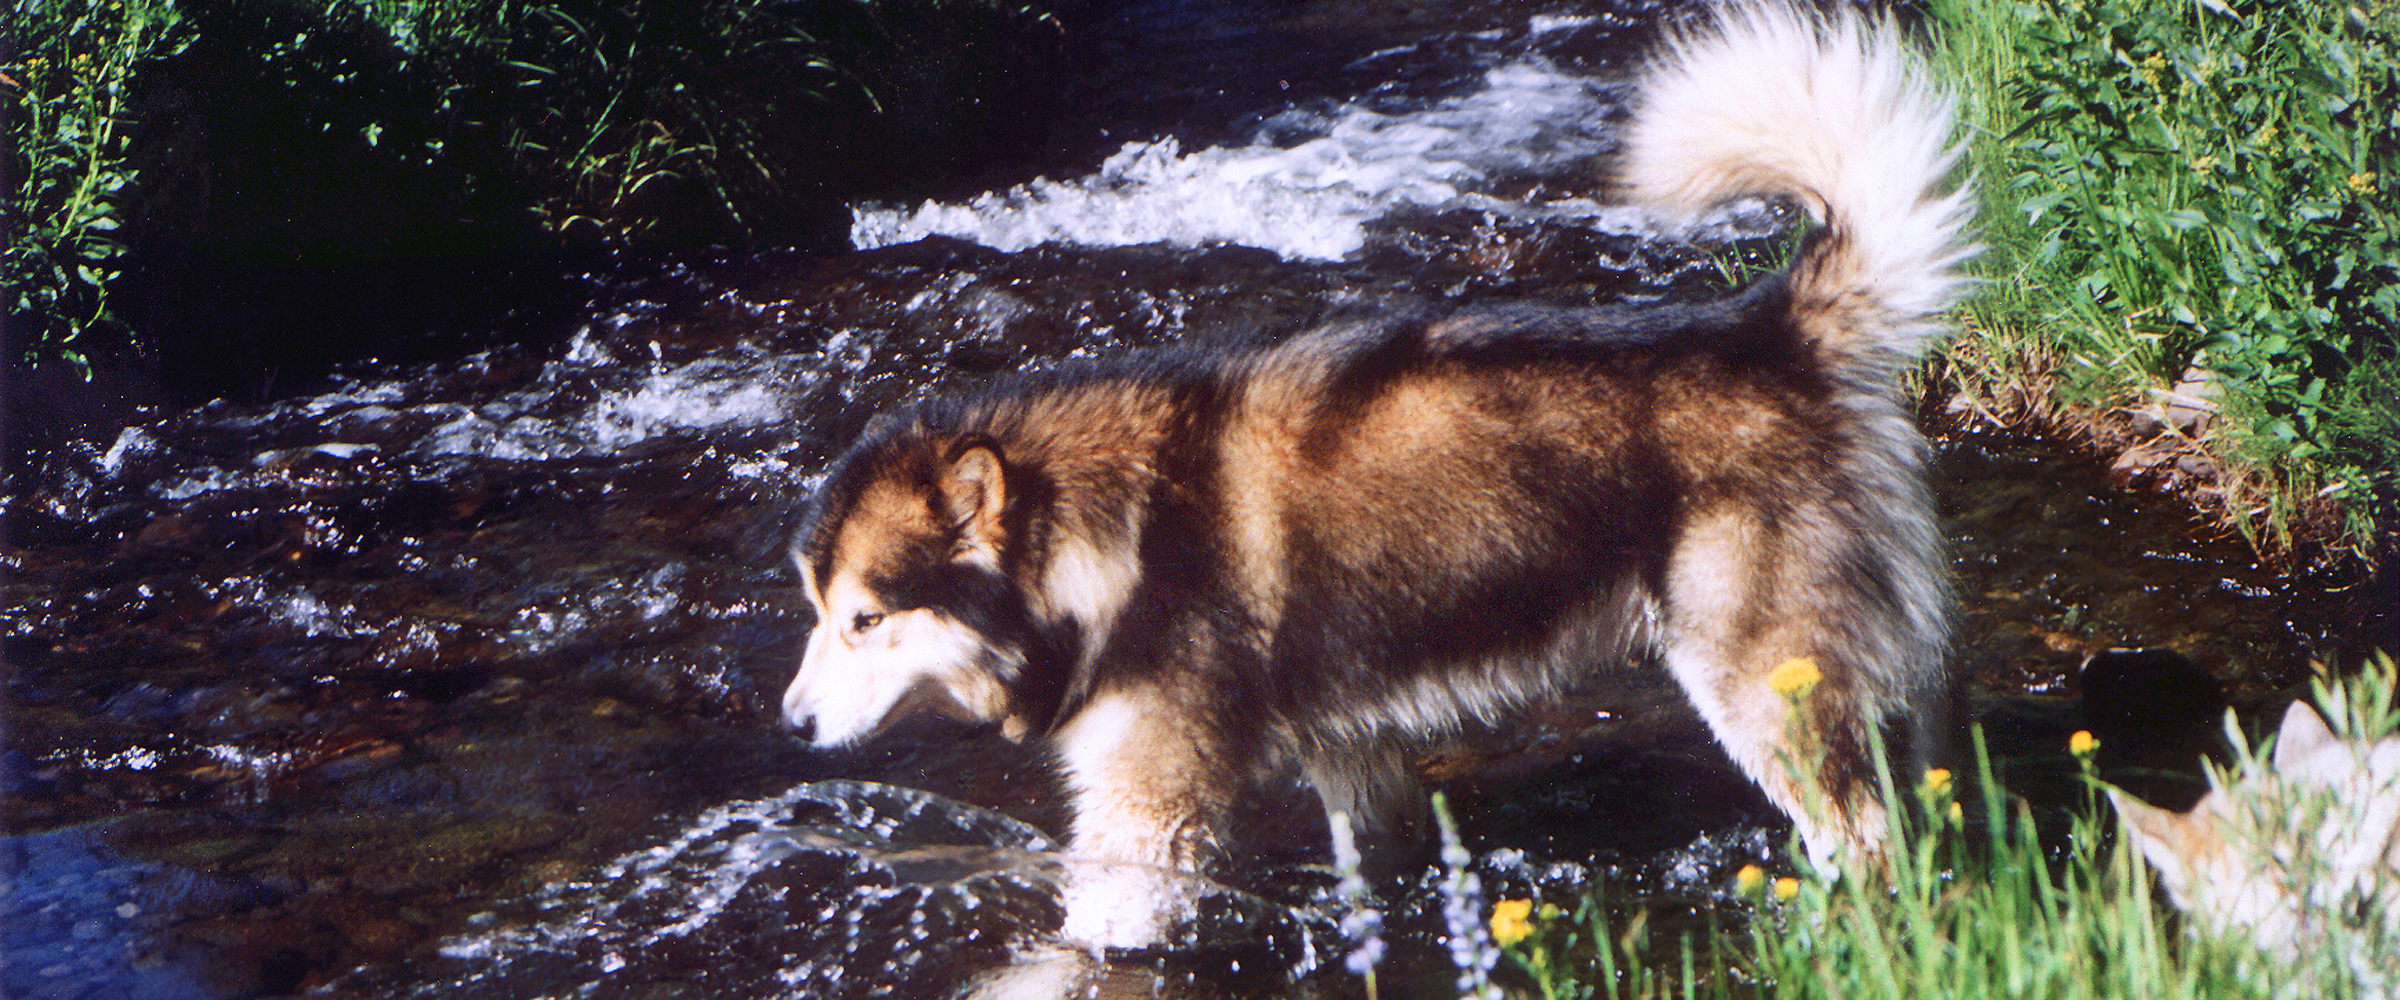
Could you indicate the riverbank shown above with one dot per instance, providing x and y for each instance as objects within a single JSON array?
[{"x": 2190, "y": 260}]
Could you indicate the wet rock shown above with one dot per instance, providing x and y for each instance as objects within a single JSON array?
[{"x": 2187, "y": 409}]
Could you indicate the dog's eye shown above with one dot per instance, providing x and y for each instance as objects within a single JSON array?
[{"x": 865, "y": 620}]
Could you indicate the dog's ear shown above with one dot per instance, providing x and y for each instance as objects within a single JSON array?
[
  {"x": 975, "y": 493},
  {"x": 2173, "y": 843},
  {"x": 2302, "y": 740}
]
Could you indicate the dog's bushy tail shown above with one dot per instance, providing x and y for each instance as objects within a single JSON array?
[{"x": 1841, "y": 115}]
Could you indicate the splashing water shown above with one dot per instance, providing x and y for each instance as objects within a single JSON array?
[
  {"x": 847, "y": 888},
  {"x": 1311, "y": 185}
]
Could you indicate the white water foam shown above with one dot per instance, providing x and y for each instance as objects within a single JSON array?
[
  {"x": 586, "y": 404},
  {"x": 685, "y": 883},
  {"x": 712, "y": 394},
  {"x": 1310, "y": 200}
]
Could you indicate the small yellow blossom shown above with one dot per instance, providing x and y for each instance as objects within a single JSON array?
[
  {"x": 2264, "y": 136},
  {"x": 1749, "y": 880},
  {"x": 2153, "y": 69},
  {"x": 2083, "y": 743},
  {"x": 1509, "y": 920},
  {"x": 2205, "y": 164},
  {"x": 2362, "y": 182},
  {"x": 1795, "y": 678},
  {"x": 1786, "y": 888},
  {"x": 1937, "y": 781},
  {"x": 1958, "y": 814}
]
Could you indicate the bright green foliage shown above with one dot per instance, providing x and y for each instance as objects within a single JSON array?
[
  {"x": 2170, "y": 183},
  {"x": 68, "y": 69}
]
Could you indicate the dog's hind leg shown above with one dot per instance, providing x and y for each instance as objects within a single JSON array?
[
  {"x": 1808, "y": 756},
  {"x": 1367, "y": 784},
  {"x": 1748, "y": 594}
]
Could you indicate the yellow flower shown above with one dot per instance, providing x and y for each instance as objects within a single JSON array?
[
  {"x": 2083, "y": 743},
  {"x": 2362, "y": 182},
  {"x": 1937, "y": 781},
  {"x": 1749, "y": 880},
  {"x": 2205, "y": 164},
  {"x": 1957, "y": 814},
  {"x": 1509, "y": 923},
  {"x": 1795, "y": 678},
  {"x": 1786, "y": 888}
]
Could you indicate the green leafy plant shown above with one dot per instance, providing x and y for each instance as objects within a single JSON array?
[
  {"x": 2181, "y": 184},
  {"x": 65, "y": 71}
]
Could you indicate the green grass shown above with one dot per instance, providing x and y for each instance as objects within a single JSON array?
[
  {"x": 1973, "y": 908},
  {"x": 2171, "y": 185}
]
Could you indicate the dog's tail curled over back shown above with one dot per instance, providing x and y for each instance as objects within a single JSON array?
[{"x": 1842, "y": 116}]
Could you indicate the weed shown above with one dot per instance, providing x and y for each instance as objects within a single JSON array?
[
  {"x": 2172, "y": 185},
  {"x": 66, "y": 68}
]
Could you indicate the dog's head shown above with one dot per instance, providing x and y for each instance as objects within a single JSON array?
[{"x": 906, "y": 560}]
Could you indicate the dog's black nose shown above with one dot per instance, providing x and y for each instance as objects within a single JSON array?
[{"x": 806, "y": 729}]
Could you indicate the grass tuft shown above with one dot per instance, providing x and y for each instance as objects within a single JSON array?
[{"x": 2193, "y": 198}]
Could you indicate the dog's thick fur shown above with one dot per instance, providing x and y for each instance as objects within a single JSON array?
[{"x": 1183, "y": 570}]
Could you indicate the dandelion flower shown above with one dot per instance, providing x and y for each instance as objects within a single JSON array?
[
  {"x": 2083, "y": 743},
  {"x": 1509, "y": 921},
  {"x": 1795, "y": 678},
  {"x": 1749, "y": 880},
  {"x": 1937, "y": 781},
  {"x": 1786, "y": 888},
  {"x": 2361, "y": 182}
]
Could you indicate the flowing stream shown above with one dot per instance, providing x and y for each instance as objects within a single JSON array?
[{"x": 459, "y": 681}]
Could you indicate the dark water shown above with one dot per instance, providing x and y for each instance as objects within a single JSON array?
[{"x": 459, "y": 681}]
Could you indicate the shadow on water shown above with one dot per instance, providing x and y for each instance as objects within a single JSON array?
[{"x": 460, "y": 680}]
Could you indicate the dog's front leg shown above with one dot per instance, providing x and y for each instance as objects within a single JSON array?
[
  {"x": 1153, "y": 775},
  {"x": 1368, "y": 784}
]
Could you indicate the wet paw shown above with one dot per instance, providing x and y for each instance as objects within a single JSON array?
[{"x": 1121, "y": 907}]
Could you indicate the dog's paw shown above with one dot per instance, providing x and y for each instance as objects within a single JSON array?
[{"x": 1121, "y": 907}]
